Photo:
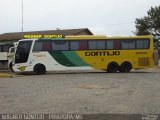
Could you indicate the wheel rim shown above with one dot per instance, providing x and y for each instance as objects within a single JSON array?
[
  {"x": 126, "y": 67},
  {"x": 39, "y": 69},
  {"x": 113, "y": 67}
]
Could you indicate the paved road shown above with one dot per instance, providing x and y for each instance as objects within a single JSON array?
[{"x": 82, "y": 92}]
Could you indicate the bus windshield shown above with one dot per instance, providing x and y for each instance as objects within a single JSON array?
[{"x": 22, "y": 51}]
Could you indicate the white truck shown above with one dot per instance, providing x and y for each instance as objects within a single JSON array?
[
  {"x": 10, "y": 55},
  {"x": 3, "y": 51},
  {"x": 6, "y": 54}
]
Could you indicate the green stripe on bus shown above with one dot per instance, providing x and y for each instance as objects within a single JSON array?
[
  {"x": 61, "y": 58},
  {"x": 74, "y": 58}
]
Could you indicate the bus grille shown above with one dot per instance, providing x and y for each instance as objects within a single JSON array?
[{"x": 143, "y": 61}]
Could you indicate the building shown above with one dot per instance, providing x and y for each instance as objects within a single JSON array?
[{"x": 13, "y": 37}]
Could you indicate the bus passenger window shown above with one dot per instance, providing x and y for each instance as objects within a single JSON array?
[
  {"x": 92, "y": 45},
  {"x": 38, "y": 46},
  {"x": 60, "y": 45},
  {"x": 96, "y": 45},
  {"x": 83, "y": 45},
  {"x": 146, "y": 44},
  {"x": 142, "y": 44},
  {"x": 46, "y": 45},
  {"x": 128, "y": 44},
  {"x": 101, "y": 45},
  {"x": 74, "y": 45},
  {"x": 109, "y": 44},
  {"x": 117, "y": 44}
]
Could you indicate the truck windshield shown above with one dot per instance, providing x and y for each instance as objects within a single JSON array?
[{"x": 22, "y": 52}]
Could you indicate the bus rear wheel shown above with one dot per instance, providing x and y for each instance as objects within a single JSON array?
[
  {"x": 40, "y": 69},
  {"x": 125, "y": 67},
  {"x": 112, "y": 67}
]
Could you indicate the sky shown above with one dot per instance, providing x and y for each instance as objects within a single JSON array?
[{"x": 102, "y": 17}]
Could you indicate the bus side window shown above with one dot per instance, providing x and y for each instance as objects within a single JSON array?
[
  {"x": 142, "y": 44},
  {"x": 96, "y": 45},
  {"x": 46, "y": 46},
  {"x": 101, "y": 45},
  {"x": 117, "y": 44},
  {"x": 92, "y": 45},
  {"x": 146, "y": 44},
  {"x": 113, "y": 44},
  {"x": 60, "y": 45},
  {"x": 128, "y": 44},
  {"x": 83, "y": 45},
  {"x": 38, "y": 46},
  {"x": 74, "y": 45},
  {"x": 109, "y": 44}
]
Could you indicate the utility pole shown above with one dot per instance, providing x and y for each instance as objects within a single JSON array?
[{"x": 22, "y": 18}]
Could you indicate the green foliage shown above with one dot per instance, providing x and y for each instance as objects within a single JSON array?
[{"x": 150, "y": 24}]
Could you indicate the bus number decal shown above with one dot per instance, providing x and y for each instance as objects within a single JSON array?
[{"x": 103, "y": 53}]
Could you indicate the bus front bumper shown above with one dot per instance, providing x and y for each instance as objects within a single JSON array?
[{"x": 22, "y": 68}]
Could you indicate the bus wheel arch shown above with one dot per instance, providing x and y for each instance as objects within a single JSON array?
[
  {"x": 39, "y": 69},
  {"x": 125, "y": 67},
  {"x": 112, "y": 67}
]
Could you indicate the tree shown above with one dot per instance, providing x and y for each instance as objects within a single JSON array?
[{"x": 150, "y": 24}]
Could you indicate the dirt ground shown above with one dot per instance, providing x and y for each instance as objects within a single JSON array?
[{"x": 84, "y": 92}]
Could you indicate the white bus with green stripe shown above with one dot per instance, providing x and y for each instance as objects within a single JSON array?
[{"x": 84, "y": 52}]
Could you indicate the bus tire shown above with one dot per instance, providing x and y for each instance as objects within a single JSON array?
[
  {"x": 39, "y": 69},
  {"x": 125, "y": 67},
  {"x": 11, "y": 67},
  {"x": 112, "y": 67}
]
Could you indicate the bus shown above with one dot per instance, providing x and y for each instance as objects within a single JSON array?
[{"x": 112, "y": 54}]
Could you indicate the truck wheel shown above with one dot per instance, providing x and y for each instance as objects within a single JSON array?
[{"x": 40, "y": 69}]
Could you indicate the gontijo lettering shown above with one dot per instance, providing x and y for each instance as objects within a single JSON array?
[
  {"x": 36, "y": 36},
  {"x": 102, "y": 53}
]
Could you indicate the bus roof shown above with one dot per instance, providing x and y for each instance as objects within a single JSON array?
[
  {"x": 103, "y": 37},
  {"x": 91, "y": 37},
  {"x": 86, "y": 37}
]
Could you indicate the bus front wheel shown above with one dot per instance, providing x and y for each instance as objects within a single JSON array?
[
  {"x": 112, "y": 67},
  {"x": 40, "y": 69},
  {"x": 125, "y": 67}
]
